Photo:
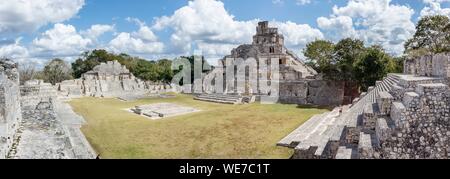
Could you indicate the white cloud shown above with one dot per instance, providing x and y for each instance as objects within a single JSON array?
[
  {"x": 144, "y": 41},
  {"x": 61, "y": 40},
  {"x": 29, "y": 15},
  {"x": 97, "y": 30},
  {"x": 434, "y": 7},
  {"x": 303, "y": 2},
  {"x": 205, "y": 21},
  {"x": 146, "y": 34},
  {"x": 13, "y": 50},
  {"x": 337, "y": 27},
  {"x": 298, "y": 35},
  {"x": 206, "y": 24},
  {"x": 375, "y": 21}
]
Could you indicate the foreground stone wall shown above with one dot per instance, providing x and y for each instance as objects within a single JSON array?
[
  {"x": 421, "y": 125},
  {"x": 49, "y": 128},
  {"x": 10, "y": 115}
]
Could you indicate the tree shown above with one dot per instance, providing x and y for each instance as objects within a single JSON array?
[
  {"x": 57, "y": 71},
  {"x": 89, "y": 60},
  {"x": 350, "y": 61},
  {"x": 166, "y": 73},
  {"x": 432, "y": 36},
  {"x": 28, "y": 71},
  {"x": 347, "y": 52},
  {"x": 320, "y": 54},
  {"x": 373, "y": 65}
]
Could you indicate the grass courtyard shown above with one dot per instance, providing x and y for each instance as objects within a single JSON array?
[{"x": 219, "y": 131}]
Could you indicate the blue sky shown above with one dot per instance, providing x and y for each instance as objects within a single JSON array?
[{"x": 167, "y": 28}]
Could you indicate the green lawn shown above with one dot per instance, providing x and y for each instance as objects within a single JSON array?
[{"x": 218, "y": 131}]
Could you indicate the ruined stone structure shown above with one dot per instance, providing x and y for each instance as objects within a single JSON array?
[
  {"x": 405, "y": 116},
  {"x": 10, "y": 113},
  {"x": 298, "y": 83},
  {"x": 110, "y": 79},
  {"x": 34, "y": 123},
  {"x": 162, "y": 110}
]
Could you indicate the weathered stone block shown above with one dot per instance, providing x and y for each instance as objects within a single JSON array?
[
  {"x": 410, "y": 97},
  {"x": 384, "y": 101},
  {"x": 397, "y": 112}
]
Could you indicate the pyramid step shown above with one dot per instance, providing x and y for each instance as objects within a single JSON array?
[
  {"x": 344, "y": 153},
  {"x": 365, "y": 148}
]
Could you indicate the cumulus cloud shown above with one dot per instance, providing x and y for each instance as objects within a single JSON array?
[
  {"x": 207, "y": 24},
  {"x": 205, "y": 21},
  {"x": 143, "y": 41},
  {"x": 12, "y": 49},
  {"x": 298, "y": 35},
  {"x": 61, "y": 40},
  {"x": 97, "y": 30},
  {"x": 434, "y": 7},
  {"x": 29, "y": 15},
  {"x": 377, "y": 22}
]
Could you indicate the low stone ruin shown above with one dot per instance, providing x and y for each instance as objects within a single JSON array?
[
  {"x": 34, "y": 123},
  {"x": 162, "y": 110},
  {"x": 405, "y": 116},
  {"x": 110, "y": 79},
  {"x": 225, "y": 99}
]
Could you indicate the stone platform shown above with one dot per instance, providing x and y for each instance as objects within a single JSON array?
[
  {"x": 162, "y": 110},
  {"x": 225, "y": 98}
]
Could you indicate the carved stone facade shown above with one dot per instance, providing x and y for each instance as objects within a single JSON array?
[{"x": 298, "y": 83}]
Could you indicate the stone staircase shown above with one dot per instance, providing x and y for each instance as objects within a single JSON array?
[
  {"x": 359, "y": 131},
  {"x": 221, "y": 98}
]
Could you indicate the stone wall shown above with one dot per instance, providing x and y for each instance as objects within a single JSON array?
[
  {"x": 421, "y": 125},
  {"x": 10, "y": 115},
  {"x": 325, "y": 93},
  {"x": 429, "y": 65}
]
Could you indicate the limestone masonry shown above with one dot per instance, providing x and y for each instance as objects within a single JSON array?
[
  {"x": 109, "y": 79},
  {"x": 298, "y": 83},
  {"x": 36, "y": 123},
  {"x": 405, "y": 116}
]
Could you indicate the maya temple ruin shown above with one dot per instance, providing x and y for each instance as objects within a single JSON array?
[
  {"x": 404, "y": 116},
  {"x": 298, "y": 83}
]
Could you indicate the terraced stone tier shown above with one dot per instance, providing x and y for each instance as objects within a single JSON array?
[{"x": 318, "y": 137}]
